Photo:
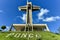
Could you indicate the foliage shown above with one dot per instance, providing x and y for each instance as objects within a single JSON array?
[
  {"x": 0, "y": 30},
  {"x": 3, "y": 27}
]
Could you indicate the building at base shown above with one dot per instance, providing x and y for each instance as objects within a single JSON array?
[{"x": 36, "y": 27}]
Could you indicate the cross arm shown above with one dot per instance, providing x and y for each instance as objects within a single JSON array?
[
  {"x": 22, "y": 8},
  {"x": 35, "y": 8}
]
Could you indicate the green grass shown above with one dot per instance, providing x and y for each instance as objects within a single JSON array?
[{"x": 41, "y": 36}]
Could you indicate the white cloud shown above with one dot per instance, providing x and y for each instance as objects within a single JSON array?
[
  {"x": 47, "y": 19},
  {"x": 42, "y": 12},
  {"x": 23, "y": 17},
  {"x": 50, "y": 19}
]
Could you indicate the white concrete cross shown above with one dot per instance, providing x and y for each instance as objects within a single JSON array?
[{"x": 29, "y": 8}]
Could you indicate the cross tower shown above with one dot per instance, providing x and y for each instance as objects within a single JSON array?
[{"x": 29, "y": 8}]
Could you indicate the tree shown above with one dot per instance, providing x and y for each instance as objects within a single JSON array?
[
  {"x": 3, "y": 27},
  {"x": 0, "y": 30}
]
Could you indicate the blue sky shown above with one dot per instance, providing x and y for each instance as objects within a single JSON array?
[{"x": 48, "y": 14}]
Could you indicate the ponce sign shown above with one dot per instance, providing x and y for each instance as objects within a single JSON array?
[{"x": 23, "y": 35}]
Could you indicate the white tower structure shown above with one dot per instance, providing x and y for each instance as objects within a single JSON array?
[{"x": 29, "y": 8}]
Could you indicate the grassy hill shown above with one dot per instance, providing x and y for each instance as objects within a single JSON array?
[{"x": 29, "y": 36}]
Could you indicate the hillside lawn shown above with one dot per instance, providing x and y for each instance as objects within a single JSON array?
[{"x": 43, "y": 36}]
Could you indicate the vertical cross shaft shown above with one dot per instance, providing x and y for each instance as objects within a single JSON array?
[{"x": 29, "y": 15}]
